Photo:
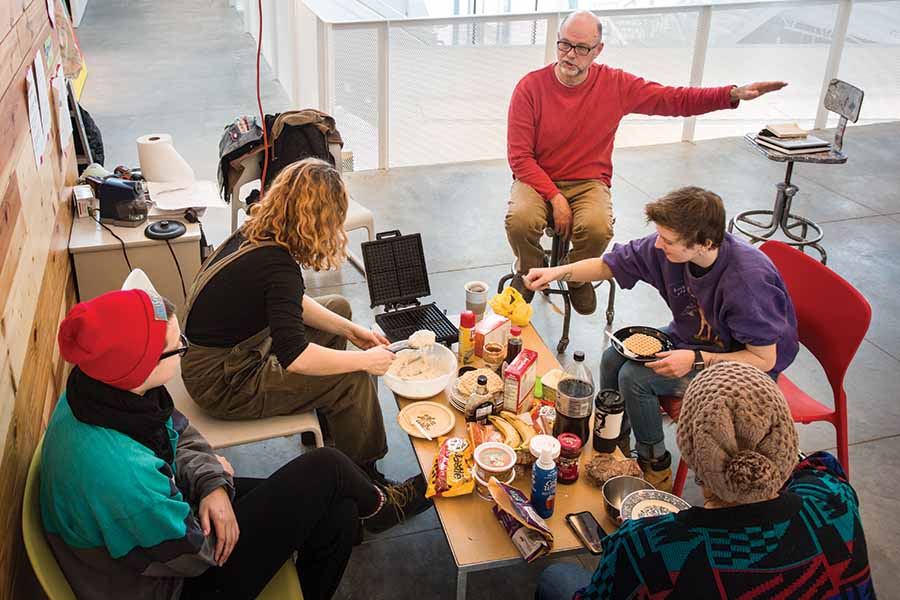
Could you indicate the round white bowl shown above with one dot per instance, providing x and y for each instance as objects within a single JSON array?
[{"x": 420, "y": 389}]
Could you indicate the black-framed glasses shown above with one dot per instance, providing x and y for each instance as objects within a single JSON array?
[
  {"x": 180, "y": 351},
  {"x": 564, "y": 47}
]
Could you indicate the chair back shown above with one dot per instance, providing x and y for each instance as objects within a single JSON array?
[
  {"x": 39, "y": 553},
  {"x": 844, "y": 99},
  {"x": 832, "y": 316}
]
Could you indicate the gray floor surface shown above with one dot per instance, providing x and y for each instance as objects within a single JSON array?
[{"x": 187, "y": 69}]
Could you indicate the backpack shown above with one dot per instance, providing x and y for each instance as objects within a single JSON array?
[
  {"x": 293, "y": 135},
  {"x": 296, "y": 139}
]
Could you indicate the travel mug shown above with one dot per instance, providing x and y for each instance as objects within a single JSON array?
[{"x": 609, "y": 409}]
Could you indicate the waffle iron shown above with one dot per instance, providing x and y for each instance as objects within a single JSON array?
[{"x": 397, "y": 279}]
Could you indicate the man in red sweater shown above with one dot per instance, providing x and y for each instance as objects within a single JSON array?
[{"x": 562, "y": 123}]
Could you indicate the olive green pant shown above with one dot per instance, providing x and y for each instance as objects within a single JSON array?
[
  {"x": 247, "y": 382},
  {"x": 528, "y": 214}
]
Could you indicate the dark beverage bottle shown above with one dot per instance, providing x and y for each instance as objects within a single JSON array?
[{"x": 575, "y": 400}]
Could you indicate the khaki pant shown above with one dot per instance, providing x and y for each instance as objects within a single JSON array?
[
  {"x": 248, "y": 382},
  {"x": 592, "y": 221}
]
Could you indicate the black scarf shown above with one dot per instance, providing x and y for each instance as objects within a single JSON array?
[{"x": 142, "y": 418}]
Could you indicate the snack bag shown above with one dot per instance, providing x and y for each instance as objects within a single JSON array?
[
  {"x": 528, "y": 531},
  {"x": 451, "y": 473},
  {"x": 510, "y": 303},
  {"x": 543, "y": 418}
]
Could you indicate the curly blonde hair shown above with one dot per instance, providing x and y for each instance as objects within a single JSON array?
[{"x": 303, "y": 212}]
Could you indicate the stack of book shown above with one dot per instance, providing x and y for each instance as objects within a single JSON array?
[{"x": 788, "y": 138}]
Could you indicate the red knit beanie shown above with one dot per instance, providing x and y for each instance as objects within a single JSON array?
[{"x": 115, "y": 338}]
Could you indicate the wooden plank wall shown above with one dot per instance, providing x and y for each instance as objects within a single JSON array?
[{"x": 36, "y": 282}]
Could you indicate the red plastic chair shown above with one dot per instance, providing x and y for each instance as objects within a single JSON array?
[{"x": 832, "y": 319}]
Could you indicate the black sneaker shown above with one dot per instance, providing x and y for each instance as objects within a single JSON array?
[
  {"x": 403, "y": 501},
  {"x": 518, "y": 284}
]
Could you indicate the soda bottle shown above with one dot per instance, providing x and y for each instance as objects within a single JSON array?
[{"x": 575, "y": 400}]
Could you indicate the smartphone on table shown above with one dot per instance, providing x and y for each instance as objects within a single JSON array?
[{"x": 587, "y": 529}]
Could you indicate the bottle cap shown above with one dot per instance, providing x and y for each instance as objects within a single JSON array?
[
  {"x": 515, "y": 331},
  {"x": 467, "y": 319},
  {"x": 482, "y": 380},
  {"x": 579, "y": 355},
  {"x": 546, "y": 459},
  {"x": 539, "y": 442},
  {"x": 569, "y": 442}
]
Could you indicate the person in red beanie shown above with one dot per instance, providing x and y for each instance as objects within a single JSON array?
[{"x": 136, "y": 505}]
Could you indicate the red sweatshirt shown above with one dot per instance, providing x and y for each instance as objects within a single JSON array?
[{"x": 561, "y": 133}]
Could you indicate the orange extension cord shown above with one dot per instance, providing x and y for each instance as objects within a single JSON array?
[{"x": 262, "y": 116}]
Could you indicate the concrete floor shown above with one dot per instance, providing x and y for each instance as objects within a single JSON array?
[{"x": 187, "y": 69}]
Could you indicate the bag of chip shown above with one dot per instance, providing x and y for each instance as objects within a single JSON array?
[
  {"x": 528, "y": 531},
  {"x": 451, "y": 473}
]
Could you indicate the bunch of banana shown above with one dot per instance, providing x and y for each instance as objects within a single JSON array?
[
  {"x": 516, "y": 433},
  {"x": 510, "y": 434}
]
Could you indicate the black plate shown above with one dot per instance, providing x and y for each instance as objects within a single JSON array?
[{"x": 624, "y": 333}]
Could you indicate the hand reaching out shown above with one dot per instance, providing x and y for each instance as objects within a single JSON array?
[{"x": 755, "y": 90}]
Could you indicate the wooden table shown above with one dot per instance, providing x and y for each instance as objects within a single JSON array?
[{"x": 477, "y": 540}]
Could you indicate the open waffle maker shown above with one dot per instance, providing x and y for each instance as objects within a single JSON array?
[{"x": 397, "y": 278}]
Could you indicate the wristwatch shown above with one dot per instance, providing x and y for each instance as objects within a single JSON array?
[{"x": 699, "y": 365}]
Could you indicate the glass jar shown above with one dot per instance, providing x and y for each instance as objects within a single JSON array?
[
  {"x": 493, "y": 356},
  {"x": 569, "y": 454}
]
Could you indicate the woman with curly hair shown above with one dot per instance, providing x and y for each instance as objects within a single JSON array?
[{"x": 260, "y": 346}]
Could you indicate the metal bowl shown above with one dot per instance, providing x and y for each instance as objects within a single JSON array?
[
  {"x": 420, "y": 389},
  {"x": 616, "y": 488}
]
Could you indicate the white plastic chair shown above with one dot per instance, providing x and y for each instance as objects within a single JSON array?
[{"x": 358, "y": 216}]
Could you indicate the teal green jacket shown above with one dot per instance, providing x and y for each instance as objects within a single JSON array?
[{"x": 121, "y": 521}]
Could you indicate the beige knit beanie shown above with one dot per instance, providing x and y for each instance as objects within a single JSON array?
[{"x": 736, "y": 433}]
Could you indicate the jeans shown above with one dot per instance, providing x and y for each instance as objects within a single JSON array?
[
  {"x": 311, "y": 505},
  {"x": 560, "y": 581},
  {"x": 640, "y": 388}
]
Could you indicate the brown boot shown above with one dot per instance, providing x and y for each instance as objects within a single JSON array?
[
  {"x": 658, "y": 472},
  {"x": 518, "y": 284},
  {"x": 583, "y": 298}
]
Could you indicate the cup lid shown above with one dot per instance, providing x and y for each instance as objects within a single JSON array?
[{"x": 539, "y": 442}]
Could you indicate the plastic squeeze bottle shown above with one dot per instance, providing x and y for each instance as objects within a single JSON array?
[
  {"x": 543, "y": 484},
  {"x": 466, "y": 339}
]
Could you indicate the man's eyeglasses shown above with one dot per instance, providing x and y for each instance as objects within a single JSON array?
[
  {"x": 580, "y": 50},
  {"x": 180, "y": 351}
]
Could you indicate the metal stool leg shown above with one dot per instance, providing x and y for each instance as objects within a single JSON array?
[
  {"x": 780, "y": 217},
  {"x": 611, "y": 303}
]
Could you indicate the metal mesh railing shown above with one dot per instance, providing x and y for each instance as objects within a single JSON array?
[
  {"x": 450, "y": 88},
  {"x": 424, "y": 91}
]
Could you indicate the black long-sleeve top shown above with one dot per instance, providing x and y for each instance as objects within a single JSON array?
[{"x": 263, "y": 288}]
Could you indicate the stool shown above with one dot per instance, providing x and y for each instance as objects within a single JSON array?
[
  {"x": 841, "y": 98},
  {"x": 554, "y": 257}
]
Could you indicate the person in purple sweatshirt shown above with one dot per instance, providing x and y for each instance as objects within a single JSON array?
[{"x": 727, "y": 299}]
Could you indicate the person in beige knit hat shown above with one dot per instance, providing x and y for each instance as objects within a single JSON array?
[
  {"x": 778, "y": 527},
  {"x": 737, "y": 434}
]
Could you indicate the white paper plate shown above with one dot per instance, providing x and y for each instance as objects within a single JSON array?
[{"x": 436, "y": 419}]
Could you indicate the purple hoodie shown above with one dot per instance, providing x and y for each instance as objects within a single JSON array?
[{"x": 741, "y": 300}]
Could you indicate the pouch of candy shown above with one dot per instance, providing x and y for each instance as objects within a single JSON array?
[{"x": 451, "y": 472}]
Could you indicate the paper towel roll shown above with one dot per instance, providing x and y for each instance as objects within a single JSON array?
[{"x": 160, "y": 161}]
